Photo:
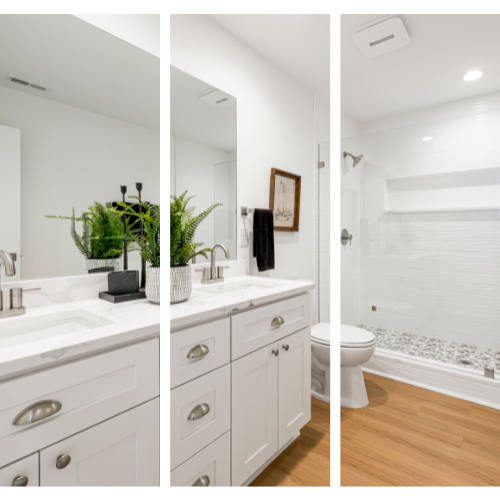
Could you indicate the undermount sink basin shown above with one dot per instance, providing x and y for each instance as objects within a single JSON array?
[
  {"x": 243, "y": 289},
  {"x": 25, "y": 329}
]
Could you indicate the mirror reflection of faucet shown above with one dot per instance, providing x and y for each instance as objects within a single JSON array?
[
  {"x": 214, "y": 273},
  {"x": 16, "y": 294},
  {"x": 345, "y": 237}
]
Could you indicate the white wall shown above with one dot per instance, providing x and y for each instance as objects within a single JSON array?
[
  {"x": 71, "y": 158},
  {"x": 434, "y": 271},
  {"x": 275, "y": 129},
  {"x": 349, "y": 127},
  {"x": 350, "y": 196}
]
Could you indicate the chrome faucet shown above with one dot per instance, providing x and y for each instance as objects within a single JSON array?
[
  {"x": 214, "y": 273},
  {"x": 10, "y": 270},
  {"x": 16, "y": 294}
]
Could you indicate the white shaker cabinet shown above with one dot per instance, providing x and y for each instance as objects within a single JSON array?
[
  {"x": 24, "y": 472},
  {"x": 254, "y": 411},
  {"x": 122, "y": 451},
  {"x": 294, "y": 386},
  {"x": 271, "y": 401}
]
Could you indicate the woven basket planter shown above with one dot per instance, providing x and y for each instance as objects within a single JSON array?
[
  {"x": 89, "y": 264},
  {"x": 180, "y": 284},
  {"x": 153, "y": 284}
]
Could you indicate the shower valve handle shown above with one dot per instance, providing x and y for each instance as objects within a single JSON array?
[{"x": 345, "y": 237}]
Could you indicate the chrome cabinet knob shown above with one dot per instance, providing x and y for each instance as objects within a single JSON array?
[
  {"x": 275, "y": 352},
  {"x": 286, "y": 347},
  {"x": 20, "y": 481},
  {"x": 198, "y": 411},
  {"x": 202, "y": 481},
  {"x": 63, "y": 461},
  {"x": 37, "y": 411},
  {"x": 278, "y": 321},
  {"x": 198, "y": 351}
]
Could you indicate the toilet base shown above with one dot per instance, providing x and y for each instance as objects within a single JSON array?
[{"x": 352, "y": 388}]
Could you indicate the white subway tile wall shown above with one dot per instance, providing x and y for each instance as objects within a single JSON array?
[
  {"x": 350, "y": 179},
  {"x": 429, "y": 247}
]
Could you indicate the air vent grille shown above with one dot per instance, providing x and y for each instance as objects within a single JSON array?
[{"x": 24, "y": 83}]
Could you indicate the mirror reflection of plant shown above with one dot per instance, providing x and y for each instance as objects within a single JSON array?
[
  {"x": 183, "y": 226},
  {"x": 149, "y": 243},
  {"x": 102, "y": 236}
]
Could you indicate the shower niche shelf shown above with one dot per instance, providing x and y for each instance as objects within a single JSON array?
[{"x": 477, "y": 189}]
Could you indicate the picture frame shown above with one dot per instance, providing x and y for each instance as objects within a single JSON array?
[{"x": 284, "y": 200}]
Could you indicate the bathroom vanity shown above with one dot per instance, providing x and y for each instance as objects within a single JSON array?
[
  {"x": 79, "y": 392},
  {"x": 240, "y": 378}
]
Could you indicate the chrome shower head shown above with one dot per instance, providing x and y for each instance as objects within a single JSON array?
[{"x": 355, "y": 159}]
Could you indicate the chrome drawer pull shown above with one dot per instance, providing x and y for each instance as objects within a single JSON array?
[
  {"x": 202, "y": 481},
  {"x": 63, "y": 461},
  {"x": 198, "y": 411},
  {"x": 21, "y": 481},
  {"x": 278, "y": 321},
  {"x": 38, "y": 411},
  {"x": 198, "y": 351}
]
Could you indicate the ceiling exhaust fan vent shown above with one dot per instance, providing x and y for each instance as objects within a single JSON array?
[
  {"x": 219, "y": 99},
  {"x": 24, "y": 83},
  {"x": 381, "y": 37}
]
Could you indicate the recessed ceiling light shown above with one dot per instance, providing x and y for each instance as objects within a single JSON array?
[
  {"x": 472, "y": 75},
  {"x": 427, "y": 138}
]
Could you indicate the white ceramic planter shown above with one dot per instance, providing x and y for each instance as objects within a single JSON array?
[
  {"x": 89, "y": 264},
  {"x": 153, "y": 284},
  {"x": 180, "y": 284}
]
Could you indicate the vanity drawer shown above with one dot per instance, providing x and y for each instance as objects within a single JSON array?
[
  {"x": 211, "y": 465},
  {"x": 108, "y": 383},
  {"x": 253, "y": 329},
  {"x": 24, "y": 469},
  {"x": 199, "y": 414},
  {"x": 208, "y": 349}
]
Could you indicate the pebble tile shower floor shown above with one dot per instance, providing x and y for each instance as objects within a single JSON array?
[{"x": 437, "y": 350}]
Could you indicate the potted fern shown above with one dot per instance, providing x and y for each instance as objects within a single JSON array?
[
  {"x": 147, "y": 240},
  {"x": 102, "y": 238},
  {"x": 183, "y": 226}
]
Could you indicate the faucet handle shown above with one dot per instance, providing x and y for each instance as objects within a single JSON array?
[
  {"x": 16, "y": 296},
  {"x": 220, "y": 271}
]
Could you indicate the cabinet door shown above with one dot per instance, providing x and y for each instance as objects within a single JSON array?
[
  {"x": 254, "y": 412},
  {"x": 122, "y": 451},
  {"x": 24, "y": 471},
  {"x": 294, "y": 384}
]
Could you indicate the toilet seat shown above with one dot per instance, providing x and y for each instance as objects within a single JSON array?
[
  {"x": 320, "y": 334},
  {"x": 353, "y": 337}
]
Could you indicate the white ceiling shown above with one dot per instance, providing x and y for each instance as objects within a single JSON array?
[
  {"x": 299, "y": 44},
  {"x": 81, "y": 65},
  {"x": 141, "y": 30},
  {"x": 426, "y": 72},
  {"x": 198, "y": 121}
]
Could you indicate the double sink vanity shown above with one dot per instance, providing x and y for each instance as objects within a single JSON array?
[
  {"x": 79, "y": 390},
  {"x": 240, "y": 378}
]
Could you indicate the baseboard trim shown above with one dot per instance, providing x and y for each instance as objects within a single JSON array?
[
  {"x": 279, "y": 452},
  {"x": 448, "y": 381}
]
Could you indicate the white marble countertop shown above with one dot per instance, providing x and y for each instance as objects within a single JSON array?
[
  {"x": 22, "y": 351},
  {"x": 204, "y": 306}
]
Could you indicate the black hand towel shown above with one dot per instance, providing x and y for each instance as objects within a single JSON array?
[{"x": 263, "y": 238}]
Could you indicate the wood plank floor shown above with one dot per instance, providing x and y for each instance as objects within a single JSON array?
[
  {"x": 306, "y": 462},
  {"x": 409, "y": 436}
]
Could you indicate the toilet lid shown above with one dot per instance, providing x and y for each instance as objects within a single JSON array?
[
  {"x": 352, "y": 336},
  {"x": 320, "y": 333}
]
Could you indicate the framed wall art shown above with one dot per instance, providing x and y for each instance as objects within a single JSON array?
[{"x": 284, "y": 200}]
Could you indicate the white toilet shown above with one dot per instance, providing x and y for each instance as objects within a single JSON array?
[
  {"x": 320, "y": 361},
  {"x": 356, "y": 348}
]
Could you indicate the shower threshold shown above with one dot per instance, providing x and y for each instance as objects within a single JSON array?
[{"x": 438, "y": 352}]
